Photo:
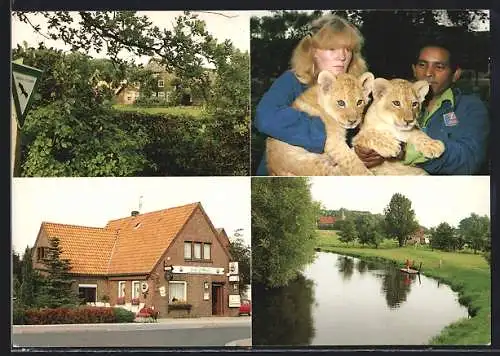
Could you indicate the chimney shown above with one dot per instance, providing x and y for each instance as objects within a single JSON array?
[{"x": 134, "y": 213}]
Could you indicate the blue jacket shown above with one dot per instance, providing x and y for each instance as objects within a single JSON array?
[
  {"x": 275, "y": 117},
  {"x": 465, "y": 135}
]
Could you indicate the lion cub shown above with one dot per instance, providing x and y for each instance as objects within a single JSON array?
[
  {"x": 392, "y": 119},
  {"x": 339, "y": 100}
]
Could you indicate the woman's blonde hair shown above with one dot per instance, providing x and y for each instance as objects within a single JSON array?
[{"x": 328, "y": 32}]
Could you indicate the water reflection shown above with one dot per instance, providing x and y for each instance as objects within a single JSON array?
[
  {"x": 346, "y": 301},
  {"x": 346, "y": 266},
  {"x": 396, "y": 286},
  {"x": 362, "y": 266},
  {"x": 282, "y": 316}
]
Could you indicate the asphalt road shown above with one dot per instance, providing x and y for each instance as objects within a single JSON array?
[{"x": 175, "y": 334}]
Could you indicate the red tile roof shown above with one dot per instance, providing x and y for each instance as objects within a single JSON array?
[
  {"x": 129, "y": 245},
  {"x": 326, "y": 219}
]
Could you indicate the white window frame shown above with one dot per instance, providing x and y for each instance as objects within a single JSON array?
[
  {"x": 186, "y": 243},
  {"x": 133, "y": 289},
  {"x": 209, "y": 251},
  {"x": 161, "y": 94},
  {"x": 194, "y": 250},
  {"x": 120, "y": 283},
  {"x": 161, "y": 83},
  {"x": 177, "y": 282}
]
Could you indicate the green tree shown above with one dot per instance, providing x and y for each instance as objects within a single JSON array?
[
  {"x": 475, "y": 230},
  {"x": 368, "y": 228},
  {"x": 71, "y": 130},
  {"x": 443, "y": 237},
  {"x": 29, "y": 282},
  {"x": 348, "y": 232},
  {"x": 57, "y": 288},
  {"x": 241, "y": 253},
  {"x": 283, "y": 228},
  {"x": 400, "y": 221}
]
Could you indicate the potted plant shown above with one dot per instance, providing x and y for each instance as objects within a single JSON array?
[
  {"x": 120, "y": 300},
  {"x": 105, "y": 298}
]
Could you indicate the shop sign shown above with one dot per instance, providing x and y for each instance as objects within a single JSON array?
[
  {"x": 234, "y": 301},
  {"x": 198, "y": 270}
]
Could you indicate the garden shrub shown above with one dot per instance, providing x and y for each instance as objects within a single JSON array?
[{"x": 123, "y": 315}]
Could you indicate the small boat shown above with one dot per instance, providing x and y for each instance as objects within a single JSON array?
[{"x": 411, "y": 270}]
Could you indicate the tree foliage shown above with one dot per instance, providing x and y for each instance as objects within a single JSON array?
[
  {"x": 369, "y": 230},
  {"x": 475, "y": 231},
  {"x": 444, "y": 237},
  {"x": 348, "y": 232},
  {"x": 241, "y": 253},
  {"x": 72, "y": 131},
  {"x": 400, "y": 221},
  {"x": 283, "y": 229},
  {"x": 57, "y": 288},
  {"x": 30, "y": 281}
]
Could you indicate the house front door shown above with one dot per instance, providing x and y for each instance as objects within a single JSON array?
[{"x": 217, "y": 299}]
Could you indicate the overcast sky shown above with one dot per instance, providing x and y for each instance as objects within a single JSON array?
[
  {"x": 95, "y": 201},
  {"x": 434, "y": 199}
]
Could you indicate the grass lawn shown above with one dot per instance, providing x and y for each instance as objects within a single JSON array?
[
  {"x": 194, "y": 111},
  {"x": 466, "y": 273}
]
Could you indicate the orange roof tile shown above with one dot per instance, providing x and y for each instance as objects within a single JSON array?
[
  {"x": 142, "y": 239},
  {"x": 326, "y": 219},
  {"x": 88, "y": 248},
  {"x": 129, "y": 245}
]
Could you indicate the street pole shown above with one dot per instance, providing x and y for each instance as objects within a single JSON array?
[{"x": 15, "y": 147}]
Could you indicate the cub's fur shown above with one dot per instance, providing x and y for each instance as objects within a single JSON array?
[
  {"x": 392, "y": 119},
  {"x": 339, "y": 100}
]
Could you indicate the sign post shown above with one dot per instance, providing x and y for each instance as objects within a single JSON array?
[{"x": 24, "y": 82}]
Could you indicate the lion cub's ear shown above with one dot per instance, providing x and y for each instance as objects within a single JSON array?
[
  {"x": 422, "y": 88},
  {"x": 380, "y": 86},
  {"x": 325, "y": 80},
  {"x": 366, "y": 79}
]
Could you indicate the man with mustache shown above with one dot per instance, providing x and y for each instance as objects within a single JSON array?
[{"x": 459, "y": 120}]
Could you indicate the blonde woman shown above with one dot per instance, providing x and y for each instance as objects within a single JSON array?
[{"x": 333, "y": 44}]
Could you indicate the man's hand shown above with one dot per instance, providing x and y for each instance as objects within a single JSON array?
[{"x": 369, "y": 157}]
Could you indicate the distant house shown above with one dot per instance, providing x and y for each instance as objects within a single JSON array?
[
  {"x": 156, "y": 259},
  {"x": 126, "y": 93},
  {"x": 326, "y": 222},
  {"x": 418, "y": 237}
]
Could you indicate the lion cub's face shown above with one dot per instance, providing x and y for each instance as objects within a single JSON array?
[
  {"x": 344, "y": 97},
  {"x": 398, "y": 101}
]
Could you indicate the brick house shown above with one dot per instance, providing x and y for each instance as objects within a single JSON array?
[
  {"x": 326, "y": 222},
  {"x": 162, "y": 259},
  {"x": 418, "y": 237}
]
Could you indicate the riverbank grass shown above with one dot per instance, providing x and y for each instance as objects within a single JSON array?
[{"x": 466, "y": 273}]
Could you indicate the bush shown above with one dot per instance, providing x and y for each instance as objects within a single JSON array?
[
  {"x": 84, "y": 315},
  {"x": 123, "y": 315},
  {"x": 18, "y": 315}
]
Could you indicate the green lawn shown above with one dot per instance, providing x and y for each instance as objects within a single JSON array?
[
  {"x": 194, "y": 111},
  {"x": 466, "y": 273}
]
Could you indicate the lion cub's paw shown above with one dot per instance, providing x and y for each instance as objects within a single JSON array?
[
  {"x": 431, "y": 148},
  {"x": 388, "y": 148}
]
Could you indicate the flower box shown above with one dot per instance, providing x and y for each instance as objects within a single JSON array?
[{"x": 135, "y": 301}]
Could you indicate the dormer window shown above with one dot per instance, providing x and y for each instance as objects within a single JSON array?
[{"x": 137, "y": 225}]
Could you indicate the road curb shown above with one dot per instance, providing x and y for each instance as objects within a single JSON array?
[{"x": 241, "y": 342}]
